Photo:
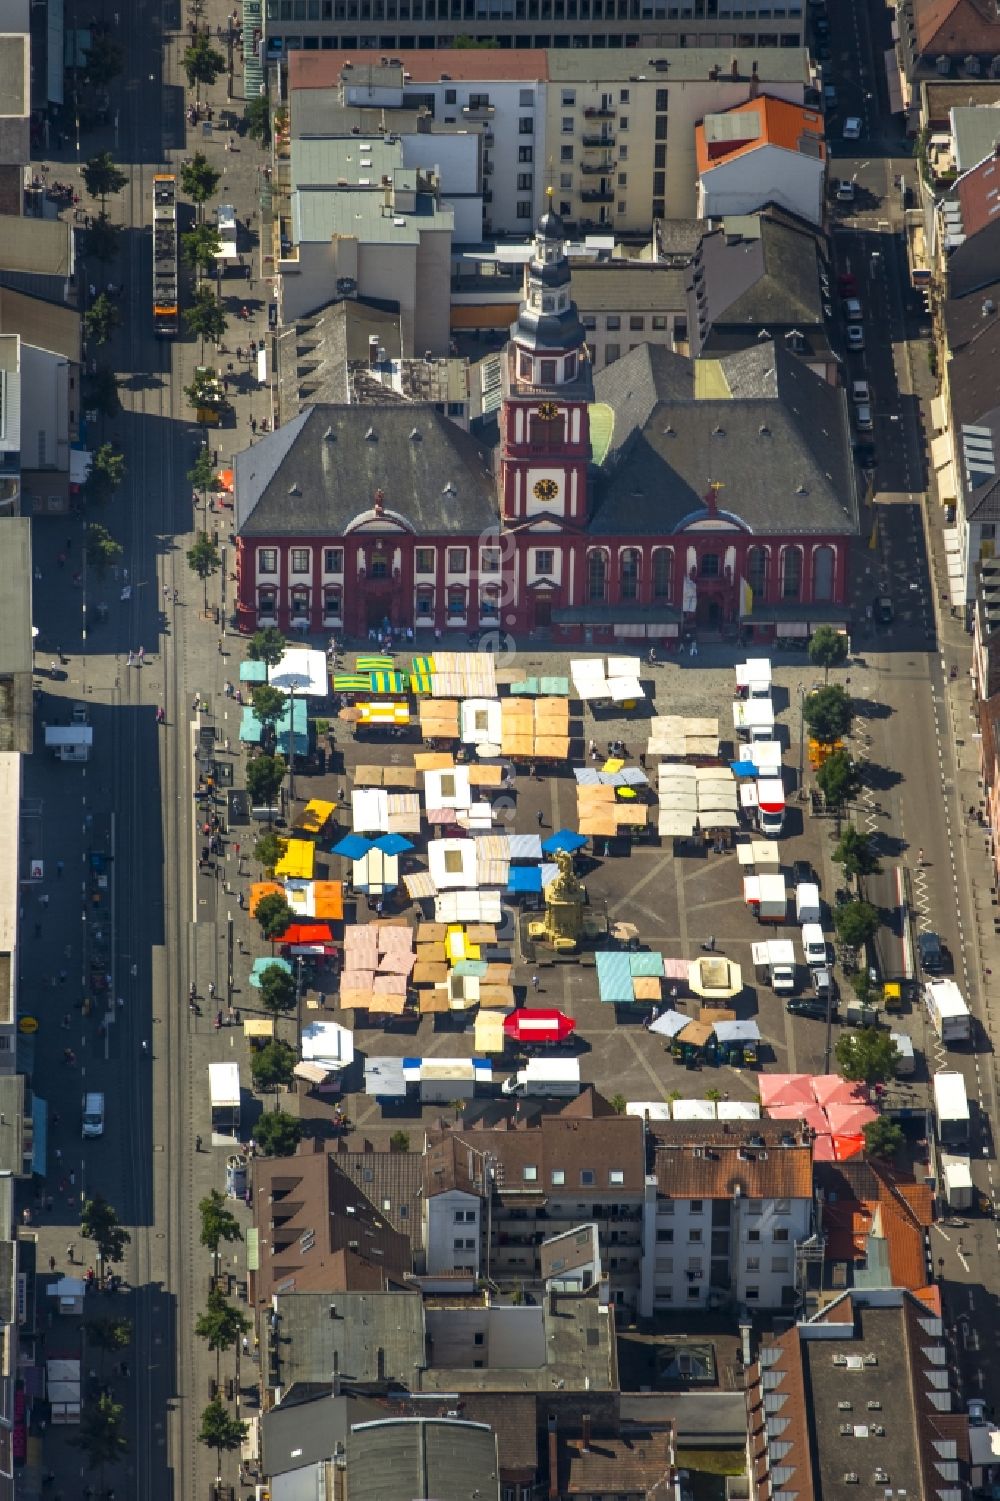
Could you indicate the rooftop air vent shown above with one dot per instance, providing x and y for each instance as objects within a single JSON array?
[
  {"x": 370, "y": 435},
  {"x": 718, "y": 432},
  {"x": 294, "y": 490},
  {"x": 414, "y": 435}
]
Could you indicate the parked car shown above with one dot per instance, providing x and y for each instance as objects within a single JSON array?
[
  {"x": 852, "y": 128},
  {"x": 807, "y": 1006},
  {"x": 883, "y": 610},
  {"x": 931, "y": 952},
  {"x": 851, "y": 308},
  {"x": 845, "y": 190},
  {"x": 863, "y": 417},
  {"x": 847, "y": 284},
  {"x": 855, "y": 336},
  {"x": 860, "y": 391}
]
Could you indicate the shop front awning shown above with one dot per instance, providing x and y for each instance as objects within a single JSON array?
[
  {"x": 947, "y": 485},
  {"x": 895, "y": 89},
  {"x": 939, "y": 414},
  {"x": 941, "y": 451}
]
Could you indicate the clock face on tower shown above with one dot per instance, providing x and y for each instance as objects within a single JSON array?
[
  {"x": 548, "y": 411},
  {"x": 545, "y": 489}
]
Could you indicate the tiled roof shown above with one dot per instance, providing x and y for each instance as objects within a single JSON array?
[
  {"x": 558, "y": 1154},
  {"x": 955, "y": 27},
  {"x": 513, "y": 1420},
  {"x": 324, "y": 70},
  {"x": 978, "y": 192},
  {"x": 638, "y": 1462},
  {"x": 862, "y": 1200},
  {"x": 764, "y": 121},
  {"x": 452, "y": 1164},
  {"x": 716, "y": 1172},
  {"x": 307, "y": 1211},
  {"x": 392, "y": 1181}
]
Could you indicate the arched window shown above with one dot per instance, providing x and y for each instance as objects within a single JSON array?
[
  {"x": 524, "y": 366},
  {"x": 597, "y": 576},
  {"x": 663, "y": 574},
  {"x": 424, "y": 603},
  {"x": 267, "y": 604},
  {"x": 628, "y": 573},
  {"x": 300, "y": 602},
  {"x": 489, "y": 602},
  {"x": 791, "y": 573},
  {"x": 456, "y": 601},
  {"x": 824, "y": 559},
  {"x": 757, "y": 571},
  {"x": 333, "y": 607}
]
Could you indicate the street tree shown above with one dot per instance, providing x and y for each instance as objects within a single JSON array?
[
  {"x": 99, "y": 1222},
  {"x": 883, "y": 1137},
  {"x": 277, "y": 1133},
  {"x": 618, "y": 1103},
  {"x": 219, "y": 1430},
  {"x": 204, "y": 560},
  {"x": 100, "y": 391},
  {"x": 202, "y": 64},
  {"x": 107, "y": 471},
  {"x": 103, "y": 178},
  {"x": 268, "y": 704},
  {"x": 838, "y": 779},
  {"x": 277, "y": 989},
  {"x": 103, "y": 239},
  {"x": 273, "y": 913},
  {"x": 271, "y": 1066},
  {"x": 203, "y": 474},
  {"x": 399, "y": 1141},
  {"x": 103, "y": 60},
  {"x": 101, "y": 319},
  {"x": 199, "y": 180},
  {"x": 268, "y": 851},
  {"x": 103, "y": 551},
  {"x": 856, "y": 923},
  {"x": 221, "y": 1325},
  {"x": 108, "y": 1335},
  {"x": 828, "y": 648},
  {"x": 200, "y": 246},
  {"x": 866, "y": 1057},
  {"x": 101, "y": 1435},
  {"x": 267, "y": 645},
  {"x": 205, "y": 318},
  {"x": 218, "y": 1224},
  {"x": 257, "y": 118},
  {"x": 265, "y": 775},
  {"x": 204, "y": 388},
  {"x": 828, "y": 713},
  {"x": 855, "y": 853}
]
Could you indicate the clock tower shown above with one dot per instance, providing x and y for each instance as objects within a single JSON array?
[{"x": 544, "y": 418}]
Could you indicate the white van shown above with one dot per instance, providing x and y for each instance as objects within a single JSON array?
[
  {"x": 807, "y": 902},
  {"x": 93, "y": 1115},
  {"x": 814, "y": 944}
]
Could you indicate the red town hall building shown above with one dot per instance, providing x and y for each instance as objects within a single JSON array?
[{"x": 722, "y": 494}]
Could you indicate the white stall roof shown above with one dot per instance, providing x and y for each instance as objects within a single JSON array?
[
  {"x": 304, "y": 670},
  {"x": 754, "y": 673},
  {"x": 452, "y": 863},
  {"x": 370, "y": 810},
  {"x": 447, "y": 789},
  {"x": 654, "y": 1110},
  {"x": 468, "y": 906},
  {"x": 766, "y": 755},
  {"x": 738, "y": 1110},
  {"x": 753, "y": 714},
  {"x": 384, "y": 1077},
  {"x": 328, "y": 1043},
  {"x": 694, "y": 1110},
  {"x": 224, "y": 1085},
  {"x": 481, "y": 725}
]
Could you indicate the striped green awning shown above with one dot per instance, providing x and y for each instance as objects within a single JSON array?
[
  {"x": 387, "y": 682},
  {"x": 420, "y": 682},
  {"x": 422, "y": 665},
  {"x": 351, "y": 682},
  {"x": 373, "y": 664}
]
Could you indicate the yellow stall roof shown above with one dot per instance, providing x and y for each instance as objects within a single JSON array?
[
  {"x": 298, "y": 860},
  {"x": 314, "y": 816}
]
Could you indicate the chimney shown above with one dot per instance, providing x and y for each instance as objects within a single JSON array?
[
  {"x": 380, "y": 1364},
  {"x": 553, "y": 1462},
  {"x": 335, "y": 1384},
  {"x": 373, "y": 349},
  {"x": 586, "y": 1433},
  {"x": 735, "y": 67}
]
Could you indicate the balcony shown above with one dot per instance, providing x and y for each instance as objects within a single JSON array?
[
  {"x": 595, "y": 142},
  {"x": 595, "y": 167},
  {"x": 599, "y": 112},
  {"x": 597, "y": 195},
  {"x": 479, "y": 111}
]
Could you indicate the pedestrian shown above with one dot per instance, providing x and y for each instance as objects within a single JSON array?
[
  {"x": 920, "y": 856},
  {"x": 246, "y": 1345},
  {"x": 120, "y": 1002},
  {"x": 59, "y": 867},
  {"x": 535, "y": 982},
  {"x": 58, "y": 1154},
  {"x": 69, "y": 1253},
  {"x": 52, "y": 1263},
  {"x": 131, "y": 656},
  {"x": 240, "y": 900},
  {"x": 142, "y": 655},
  {"x": 253, "y": 425},
  {"x": 541, "y": 819},
  {"x": 72, "y": 1178},
  {"x": 43, "y": 900},
  {"x": 710, "y": 944},
  {"x": 239, "y": 351},
  {"x": 63, "y": 977}
]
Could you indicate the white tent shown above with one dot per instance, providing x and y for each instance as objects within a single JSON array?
[
  {"x": 303, "y": 670},
  {"x": 448, "y": 788},
  {"x": 328, "y": 1043},
  {"x": 468, "y": 906},
  {"x": 370, "y": 810},
  {"x": 481, "y": 724},
  {"x": 452, "y": 863}
]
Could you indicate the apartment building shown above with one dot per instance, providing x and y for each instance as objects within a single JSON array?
[
  {"x": 494, "y": 1194},
  {"x": 855, "y": 1399},
  {"x": 412, "y": 25},
  {"x": 493, "y": 101},
  {"x": 620, "y": 129},
  {"x": 764, "y": 151},
  {"x": 727, "y": 1206},
  {"x": 622, "y": 304}
]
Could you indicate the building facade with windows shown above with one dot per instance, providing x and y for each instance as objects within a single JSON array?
[
  {"x": 726, "y": 1208},
  {"x": 669, "y": 493},
  {"x": 411, "y": 25}
]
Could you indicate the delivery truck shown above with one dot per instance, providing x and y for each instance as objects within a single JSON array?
[
  {"x": 774, "y": 964},
  {"x": 951, "y": 1109},
  {"x": 948, "y": 1013},
  {"x": 766, "y": 897},
  {"x": 906, "y": 1059},
  {"x": 771, "y": 807},
  {"x": 956, "y": 1180},
  {"x": 553, "y": 1077}
]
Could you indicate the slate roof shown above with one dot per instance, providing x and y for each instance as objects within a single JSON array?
[
  {"x": 396, "y": 1459},
  {"x": 614, "y": 287},
  {"x": 44, "y": 325},
  {"x": 391, "y": 1181},
  {"x": 558, "y": 1155},
  {"x": 314, "y": 354},
  {"x": 320, "y": 472},
  {"x": 514, "y": 1422},
  {"x": 451, "y": 1164},
  {"x": 779, "y": 446}
]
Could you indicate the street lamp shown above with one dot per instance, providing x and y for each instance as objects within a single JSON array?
[{"x": 802, "y": 740}]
